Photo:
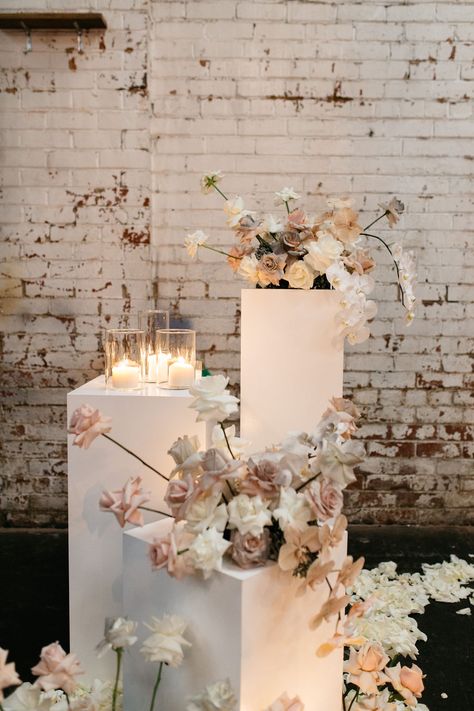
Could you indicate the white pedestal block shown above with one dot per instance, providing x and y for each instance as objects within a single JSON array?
[
  {"x": 290, "y": 363},
  {"x": 147, "y": 422},
  {"x": 248, "y": 626}
]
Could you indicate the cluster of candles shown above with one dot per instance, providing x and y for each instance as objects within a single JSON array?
[{"x": 153, "y": 353}]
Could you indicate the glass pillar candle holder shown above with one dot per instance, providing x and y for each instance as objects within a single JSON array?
[
  {"x": 151, "y": 322},
  {"x": 176, "y": 352},
  {"x": 124, "y": 357}
]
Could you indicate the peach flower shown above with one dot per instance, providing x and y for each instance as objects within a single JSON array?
[
  {"x": 331, "y": 607},
  {"x": 284, "y": 703},
  {"x": 325, "y": 498},
  {"x": 297, "y": 546},
  {"x": 56, "y": 669},
  {"x": 349, "y": 571},
  {"x": 408, "y": 681},
  {"x": 125, "y": 502},
  {"x": 179, "y": 496},
  {"x": 236, "y": 254},
  {"x": 8, "y": 673},
  {"x": 359, "y": 261},
  {"x": 365, "y": 667},
  {"x": 88, "y": 423},
  {"x": 270, "y": 269},
  {"x": 345, "y": 225}
]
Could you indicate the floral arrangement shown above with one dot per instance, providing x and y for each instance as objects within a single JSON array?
[{"x": 319, "y": 251}]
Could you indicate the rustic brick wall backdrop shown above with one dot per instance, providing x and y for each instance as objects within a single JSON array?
[{"x": 101, "y": 162}]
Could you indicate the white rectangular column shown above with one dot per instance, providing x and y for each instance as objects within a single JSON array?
[
  {"x": 247, "y": 625},
  {"x": 291, "y": 364},
  {"x": 147, "y": 422}
]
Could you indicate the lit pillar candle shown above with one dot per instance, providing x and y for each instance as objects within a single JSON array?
[
  {"x": 126, "y": 375},
  {"x": 162, "y": 368},
  {"x": 180, "y": 374}
]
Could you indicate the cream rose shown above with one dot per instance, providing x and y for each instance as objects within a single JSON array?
[
  {"x": 324, "y": 252},
  {"x": 300, "y": 275}
]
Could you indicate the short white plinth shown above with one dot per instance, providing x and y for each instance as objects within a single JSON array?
[
  {"x": 249, "y": 626},
  {"x": 291, "y": 364},
  {"x": 146, "y": 421}
]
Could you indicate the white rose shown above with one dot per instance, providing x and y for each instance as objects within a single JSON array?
[
  {"x": 204, "y": 513},
  {"x": 216, "y": 697},
  {"x": 249, "y": 514},
  {"x": 206, "y": 551},
  {"x": 300, "y": 275},
  {"x": 212, "y": 400},
  {"x": 28, "y": 698},
  {"x": 119, "y": 633},
  {"x": 167, "y": 641},
  {"x": 293, "y": 510},
  {"x": 324, "y": 252}
]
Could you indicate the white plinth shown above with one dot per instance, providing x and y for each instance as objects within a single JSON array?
[
  {"x": 146, "y": 421},
  {"x": 290, "y": 363},
  {"x": 248, "y": 626}
]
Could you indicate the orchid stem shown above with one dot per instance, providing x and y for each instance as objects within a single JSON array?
[
  {"x": 219, "y": 251},
  {"x": 142, "y": 461},
  {"x": 329, "y": 584},
  {"x": 162, "y": 513},
  {"x": 376, "y": 220},
  {"x": 220, "y": 192},
  {"x": 119, "y": 653},
  {"x": 155, "y": 688},
  {"x": 287, "y": 207},
  {"x": 305, "y": 483},
  {"x": 226, "y": 440},
  {"x": 367, "y": 234},
  {"x": 356, "y": 696}
]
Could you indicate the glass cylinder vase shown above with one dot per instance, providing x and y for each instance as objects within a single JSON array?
[
  {"x": 124, "y": 358},
  {"x": 151, "y": 322},
  {"x": 176, "y": 354}
]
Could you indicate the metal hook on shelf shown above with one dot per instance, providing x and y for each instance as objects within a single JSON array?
[
  {"x": 29, "y": 43},
  {"x": 80, "y": 46}
]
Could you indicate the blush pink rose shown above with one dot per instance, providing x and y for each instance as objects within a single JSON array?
[
  {"x": 365, "y": 665},
  {"x": 56, "y": 669},
  {"x": 325, "y": 498},
  {"x": 179, "y": 496},
  {"x": 250, "y": 551},
  {"x": 412, "y": 679},
  {"x": 171, "y": 552},
  {"x": 88, "y": 423},
  {"x": 124, "y": 503},
  {"x": 8, "y": 673}
]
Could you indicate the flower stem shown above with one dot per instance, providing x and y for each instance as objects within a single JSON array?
[
  {"x": 219, "y": 251},
  {"x": 142, "y": 461},
  {"x": 219, "y": 191},
  {"x": 162, "y": 513},
  {"x": 119, "y": 653},
  {"x": 287, "y": 207},
  {"x": 367, "y": 234},
  {"x": 305, "y": 483},
  {"x": 376, "y": 220},
  {"x": 356, "y": 696},
  {"x": 155, "y": 688},
  {"x": 226, "y": 440}
]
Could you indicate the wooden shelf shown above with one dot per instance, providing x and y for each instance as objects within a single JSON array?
[{"x": 52, "y": 21}]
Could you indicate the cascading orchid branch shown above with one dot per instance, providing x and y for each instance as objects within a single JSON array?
[{"x": 302, "y": 251}]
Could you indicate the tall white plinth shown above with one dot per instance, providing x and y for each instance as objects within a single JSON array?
[
  {"x": 290, "y": 363},
  {"x": 147, "y": 422},
  {"x": 249, "y": 626}
]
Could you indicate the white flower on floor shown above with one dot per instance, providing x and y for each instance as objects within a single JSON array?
[
  {"x": 464, "y": 611},
  {"x": 293, "y": 510},
  {"x": 119, "y": 633},
  {"x": 216, "y": 697},
  {"x": 212, "y": 400},
  {"x": 166, "y": 642},
  {"x": 285, "y": 195},
  {"x": 194, "y": 241},
  {"x": 206, "y": 551},
  {"x": 249, "y": 514}
]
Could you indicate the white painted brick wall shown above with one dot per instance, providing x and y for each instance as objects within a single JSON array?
[{"x": 102, "y": 152}]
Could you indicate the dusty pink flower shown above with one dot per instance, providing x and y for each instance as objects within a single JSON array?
[
  {"x": 393, "y": 210},
  {"x": 125, "y": 502},
  {"x": 359, "y": 261},
  {"x": 179, "y": 495},
  {"x": 325, "y": 498},
  {"x": 236, "y": 254},
  {"x": 264, "y": 478},
  {"x": 317, "y": 574},
  {"x": 250, "y": 551},
  {"x": 170, "y": 552},
  {"x": 284, "y": 703},
  {"x": 8, "y": 673},
  {"x": 88, "y": 423},
  {"x": 408, "y": 681},
  {"x": 345, "y": 225},
  {"x": 331, "y": 537},
  {"x": 217, "y": 469},
  {"x": 365, "y": 665},
  {"x": 270, "y": 269},
  {"x": 56, "y": 669}
]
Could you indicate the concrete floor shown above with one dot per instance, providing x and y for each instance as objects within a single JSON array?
[{"x": 34, "y": 600}]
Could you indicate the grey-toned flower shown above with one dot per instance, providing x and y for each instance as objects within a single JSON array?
[
  {"x": 393, "y": 209},
  {"x": 264, "y": 478},
  {"x": 270, "y": 269},
  {"x": 250, "y": 551}
]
